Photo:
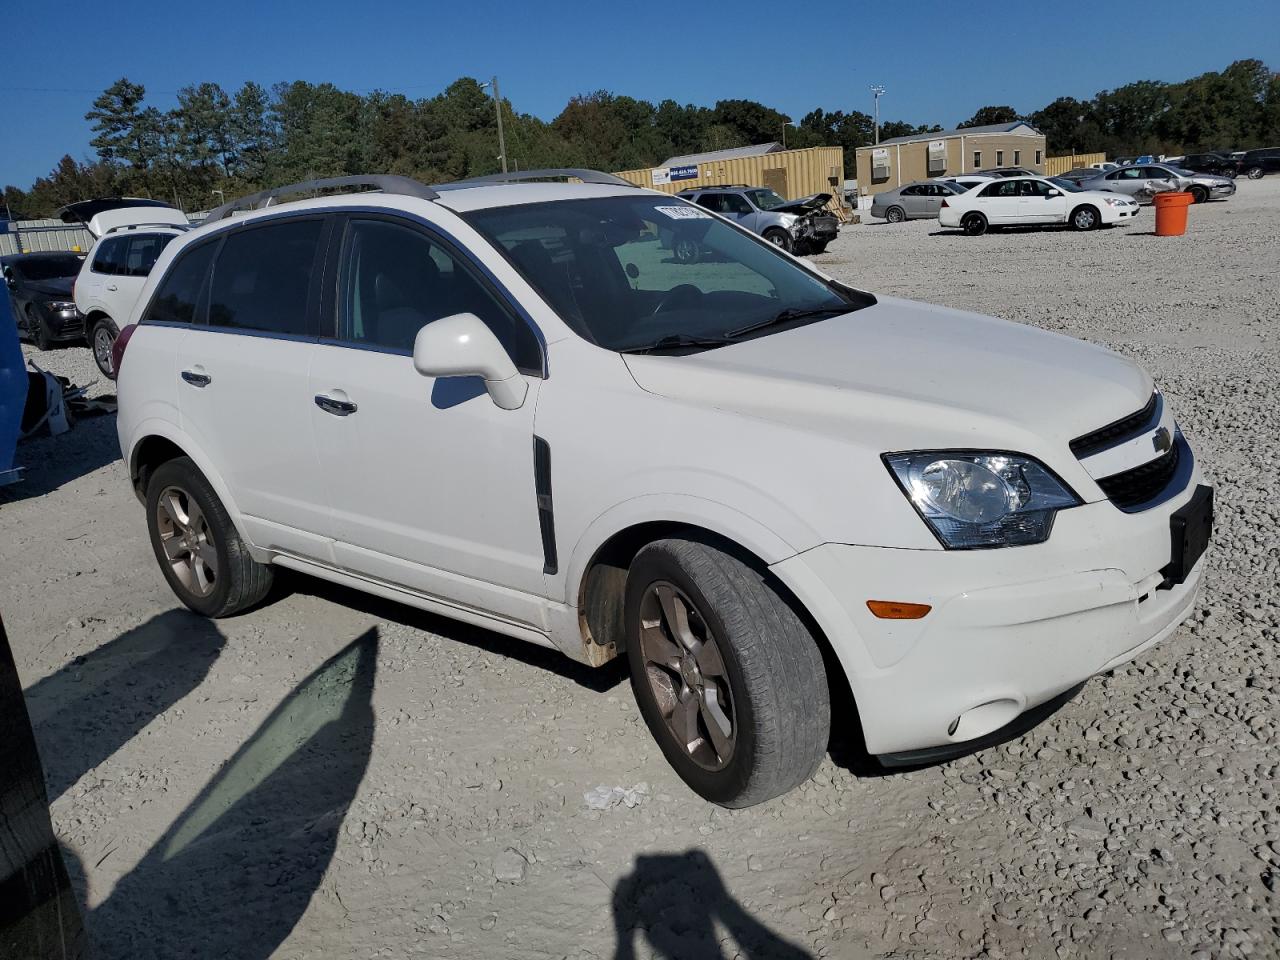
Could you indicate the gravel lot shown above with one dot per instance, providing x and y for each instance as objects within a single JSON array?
[{"x": 336, "y": 776}]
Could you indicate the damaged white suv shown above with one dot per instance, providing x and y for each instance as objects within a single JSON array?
[{"x": 505, "y": 401}]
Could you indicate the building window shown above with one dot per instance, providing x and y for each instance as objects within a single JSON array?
[
  {"x": 1017, "y": 157},
  {"x": 1039, "y": 158},
  {"x": 999, "y": 158},
  {"x": 977, "y": 159}
]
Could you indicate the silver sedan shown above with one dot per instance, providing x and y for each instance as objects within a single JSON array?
[
  {"x": 913, "y": 201},
  {"x": 1143, "y": 181}
]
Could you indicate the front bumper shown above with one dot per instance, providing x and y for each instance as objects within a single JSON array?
[
  {"x": 1009, "y": 629},
  {"x": 1222, "y": 190},
  {"x": 63, "y": 325}
]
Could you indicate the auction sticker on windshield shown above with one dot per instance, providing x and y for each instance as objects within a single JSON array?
[{"x": 684, "y": 213}]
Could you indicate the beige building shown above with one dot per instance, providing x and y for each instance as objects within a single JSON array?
[
  {"x": 948, "y": 153},
  {"x": 791, "y": 173}
]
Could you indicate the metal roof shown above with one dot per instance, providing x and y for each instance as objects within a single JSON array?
[
  {"x": 733, "y": 153},
  {"x": 966, "y": 132}
]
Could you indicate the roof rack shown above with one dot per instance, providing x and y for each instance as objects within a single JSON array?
[
  {"x": 553, "y": 173},
  {"x": 387, "y": 183},
  {"x": 720, "y": 186},
  {"x": 145, "y": 226}
]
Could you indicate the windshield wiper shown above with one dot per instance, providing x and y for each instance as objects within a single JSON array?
[
  {"x": 678, "y": 341},
  {"x": 788, "y": 315}
]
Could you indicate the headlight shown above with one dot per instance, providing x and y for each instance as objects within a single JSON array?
[
  {"x": 972, "y": 500},
  {"x": 1116, "y": 202},
  {"x": 60, "y": 306}
]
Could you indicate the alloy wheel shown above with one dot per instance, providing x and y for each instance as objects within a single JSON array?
[
  {"x": 687, "y": 676},
  {"x": 187, "y": 541},
  {"x": 1085, "y": 219},
  {"x": 102, "y": 341}
]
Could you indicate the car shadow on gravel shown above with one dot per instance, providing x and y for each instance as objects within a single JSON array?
[
  {"x": 678, "y": 903},
  {"x": 599, "y": 679},
  {"x": 51, "y": 462},
  {"x": 236, "y": 870},
  {"x": 97, "y": 703}
]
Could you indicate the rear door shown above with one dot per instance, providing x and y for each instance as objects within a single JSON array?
[
  {"x": 99, "y": 282},
  {"x": 245, "y": 397},
  {"x": 1127, "y": 180},
  {"x": 139, "y": 255},
  {"x": 999, "y": 201}
]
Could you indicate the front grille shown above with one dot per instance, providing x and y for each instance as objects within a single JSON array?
[
  {"x": 1135, "y": 487},
  {"x": 1116, "y": 433}
]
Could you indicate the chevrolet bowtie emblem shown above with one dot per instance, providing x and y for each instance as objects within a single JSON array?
[{"x": 1162, "y": 440}]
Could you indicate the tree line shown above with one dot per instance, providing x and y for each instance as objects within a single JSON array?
[{"x": 214, "y": 144}]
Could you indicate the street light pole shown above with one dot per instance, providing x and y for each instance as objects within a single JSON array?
[
  {"x": 785, "y": 121},
  {"x": 877, "y": 91},
  {"x": 497, "y": 103}
]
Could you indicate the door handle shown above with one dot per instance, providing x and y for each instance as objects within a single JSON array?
[
  {"x": 112, "y": 286},
  {"x": 196, "y": 378},
  {"x": 339, "y": 408}
]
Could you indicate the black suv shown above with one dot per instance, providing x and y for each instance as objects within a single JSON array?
[
  {"x": 1214, "y": 163},
  {"x": 40, "y": 285},
  {"x": 1258, "y": 163}
]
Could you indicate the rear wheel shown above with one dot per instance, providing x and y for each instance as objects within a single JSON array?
[
  {"x": 974, "y": 224},
  {"x": 729, "y": 680},
  {"x": 1085, "y": 218},
  {"x": 895, "y": 215},
  {"x": 102, "y": 336},
  {"x": 779, "y": 238},
  {"x": 199, "y": 551},
  {"x": 1198, "y": 194}
]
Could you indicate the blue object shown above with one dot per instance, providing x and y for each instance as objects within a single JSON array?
[{"x": 13, "y": 389}]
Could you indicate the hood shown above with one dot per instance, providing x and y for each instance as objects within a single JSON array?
[
  {"x": 901, "y": 375},
  {"x": 58, "y": 288},
  {"x": 808, "y": 204}
]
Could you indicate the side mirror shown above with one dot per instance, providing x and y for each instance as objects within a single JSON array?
[
  {"x": 462, "y": 346},
  {"x": 1055, "y": 193}
]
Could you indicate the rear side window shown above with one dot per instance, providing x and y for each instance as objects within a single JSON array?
[
  {"x": 143, "y": 251},
  {"x": 262, "y": 278},
  {"x": 109, "y": 258},
  {"x": 175, "y": 301}
]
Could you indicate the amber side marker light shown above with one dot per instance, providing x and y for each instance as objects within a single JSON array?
[{"x": 892, "y": 610}]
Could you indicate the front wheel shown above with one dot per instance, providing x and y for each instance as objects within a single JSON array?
[
  {"x": 39, "y": 331},
  {"x": 728, "y": 679},
  {"x": 1198, "y": 194},
  {"x": 1254, "y": 173},
  {"x": 779, "y": 238},
  {"x": 686, "y": 250},
  {"x": 199, "y": 551},
  {"x": 974, "y": 224},
  {"x": 1085, "y": 218},
  {"x": 101, "y": 339}
]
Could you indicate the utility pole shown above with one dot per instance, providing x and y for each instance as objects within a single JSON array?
[
  {"x": 785, "y": 121},
  {"x": 497, "y": 103},
  {"x": 877, "y": 91}
]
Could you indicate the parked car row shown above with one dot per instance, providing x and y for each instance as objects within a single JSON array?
[{"x": 1250, "y": 163}]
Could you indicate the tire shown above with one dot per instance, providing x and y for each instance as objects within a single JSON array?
[
  {"x": 767, "y": 683},
  {"x": 1198, "y": 194},
  {"x": 39, "y": 331},
  {"x": 1254, "y": 173},
  {"x": 895, "y": 215},
  {"x": 1085, "y": 217},
  {"x": 217, "y": 578},
  {"x": 974, "y": 224},
  {"x": 101, "y": 337},
  {"x": 686, "y": 250},
  {"x": 779, "y": 238}
]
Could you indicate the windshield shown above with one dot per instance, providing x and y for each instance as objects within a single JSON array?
[
  {"x": 1065, "y": 184},
  {"x": 765, "y": 199},
  {"x": 627, "y": 272},
  {"x": 48, "y": 268}
]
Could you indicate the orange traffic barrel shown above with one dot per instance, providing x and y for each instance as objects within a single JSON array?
[{"x": 1171, "y": 213}]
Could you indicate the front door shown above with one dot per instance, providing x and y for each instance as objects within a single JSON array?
[
  {"x": 1042, "y": 202},
  {"x": 432, "y": 484}
]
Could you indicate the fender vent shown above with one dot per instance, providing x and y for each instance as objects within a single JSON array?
[{"x": 546, "y": 517}]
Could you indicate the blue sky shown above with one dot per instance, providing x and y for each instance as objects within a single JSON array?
[{"x": 939, "y": 62}]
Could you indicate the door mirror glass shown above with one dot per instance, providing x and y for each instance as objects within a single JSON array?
[
  {"x": 463, "y": 346},
  {"x": 1054, "y": 193}
]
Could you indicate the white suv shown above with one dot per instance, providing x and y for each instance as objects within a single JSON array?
[
  {"x": 506, "y": 402},
  {"x": 129, "y": 241}
]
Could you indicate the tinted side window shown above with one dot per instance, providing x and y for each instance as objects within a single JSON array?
[
  {"x": 711, "y": 201},
  {"x": 262, "y": 278},
  {"x": 143, "y": 251},
  {"x": 735, "y": 204},
  {"x": 175, "y": 301},
  {"x": 396, "y": 280},
  {"x": 110, "y": 256}
]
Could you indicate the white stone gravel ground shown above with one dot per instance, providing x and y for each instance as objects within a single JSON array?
[{"x": 437, "y": 809}]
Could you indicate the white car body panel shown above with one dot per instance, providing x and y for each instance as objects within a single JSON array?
[
  {"x": 1018, "y": 210},
  {"x": 427, "y": 495}
]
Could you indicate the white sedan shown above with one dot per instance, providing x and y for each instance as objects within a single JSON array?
[{"x": 1018, "y": 201}]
